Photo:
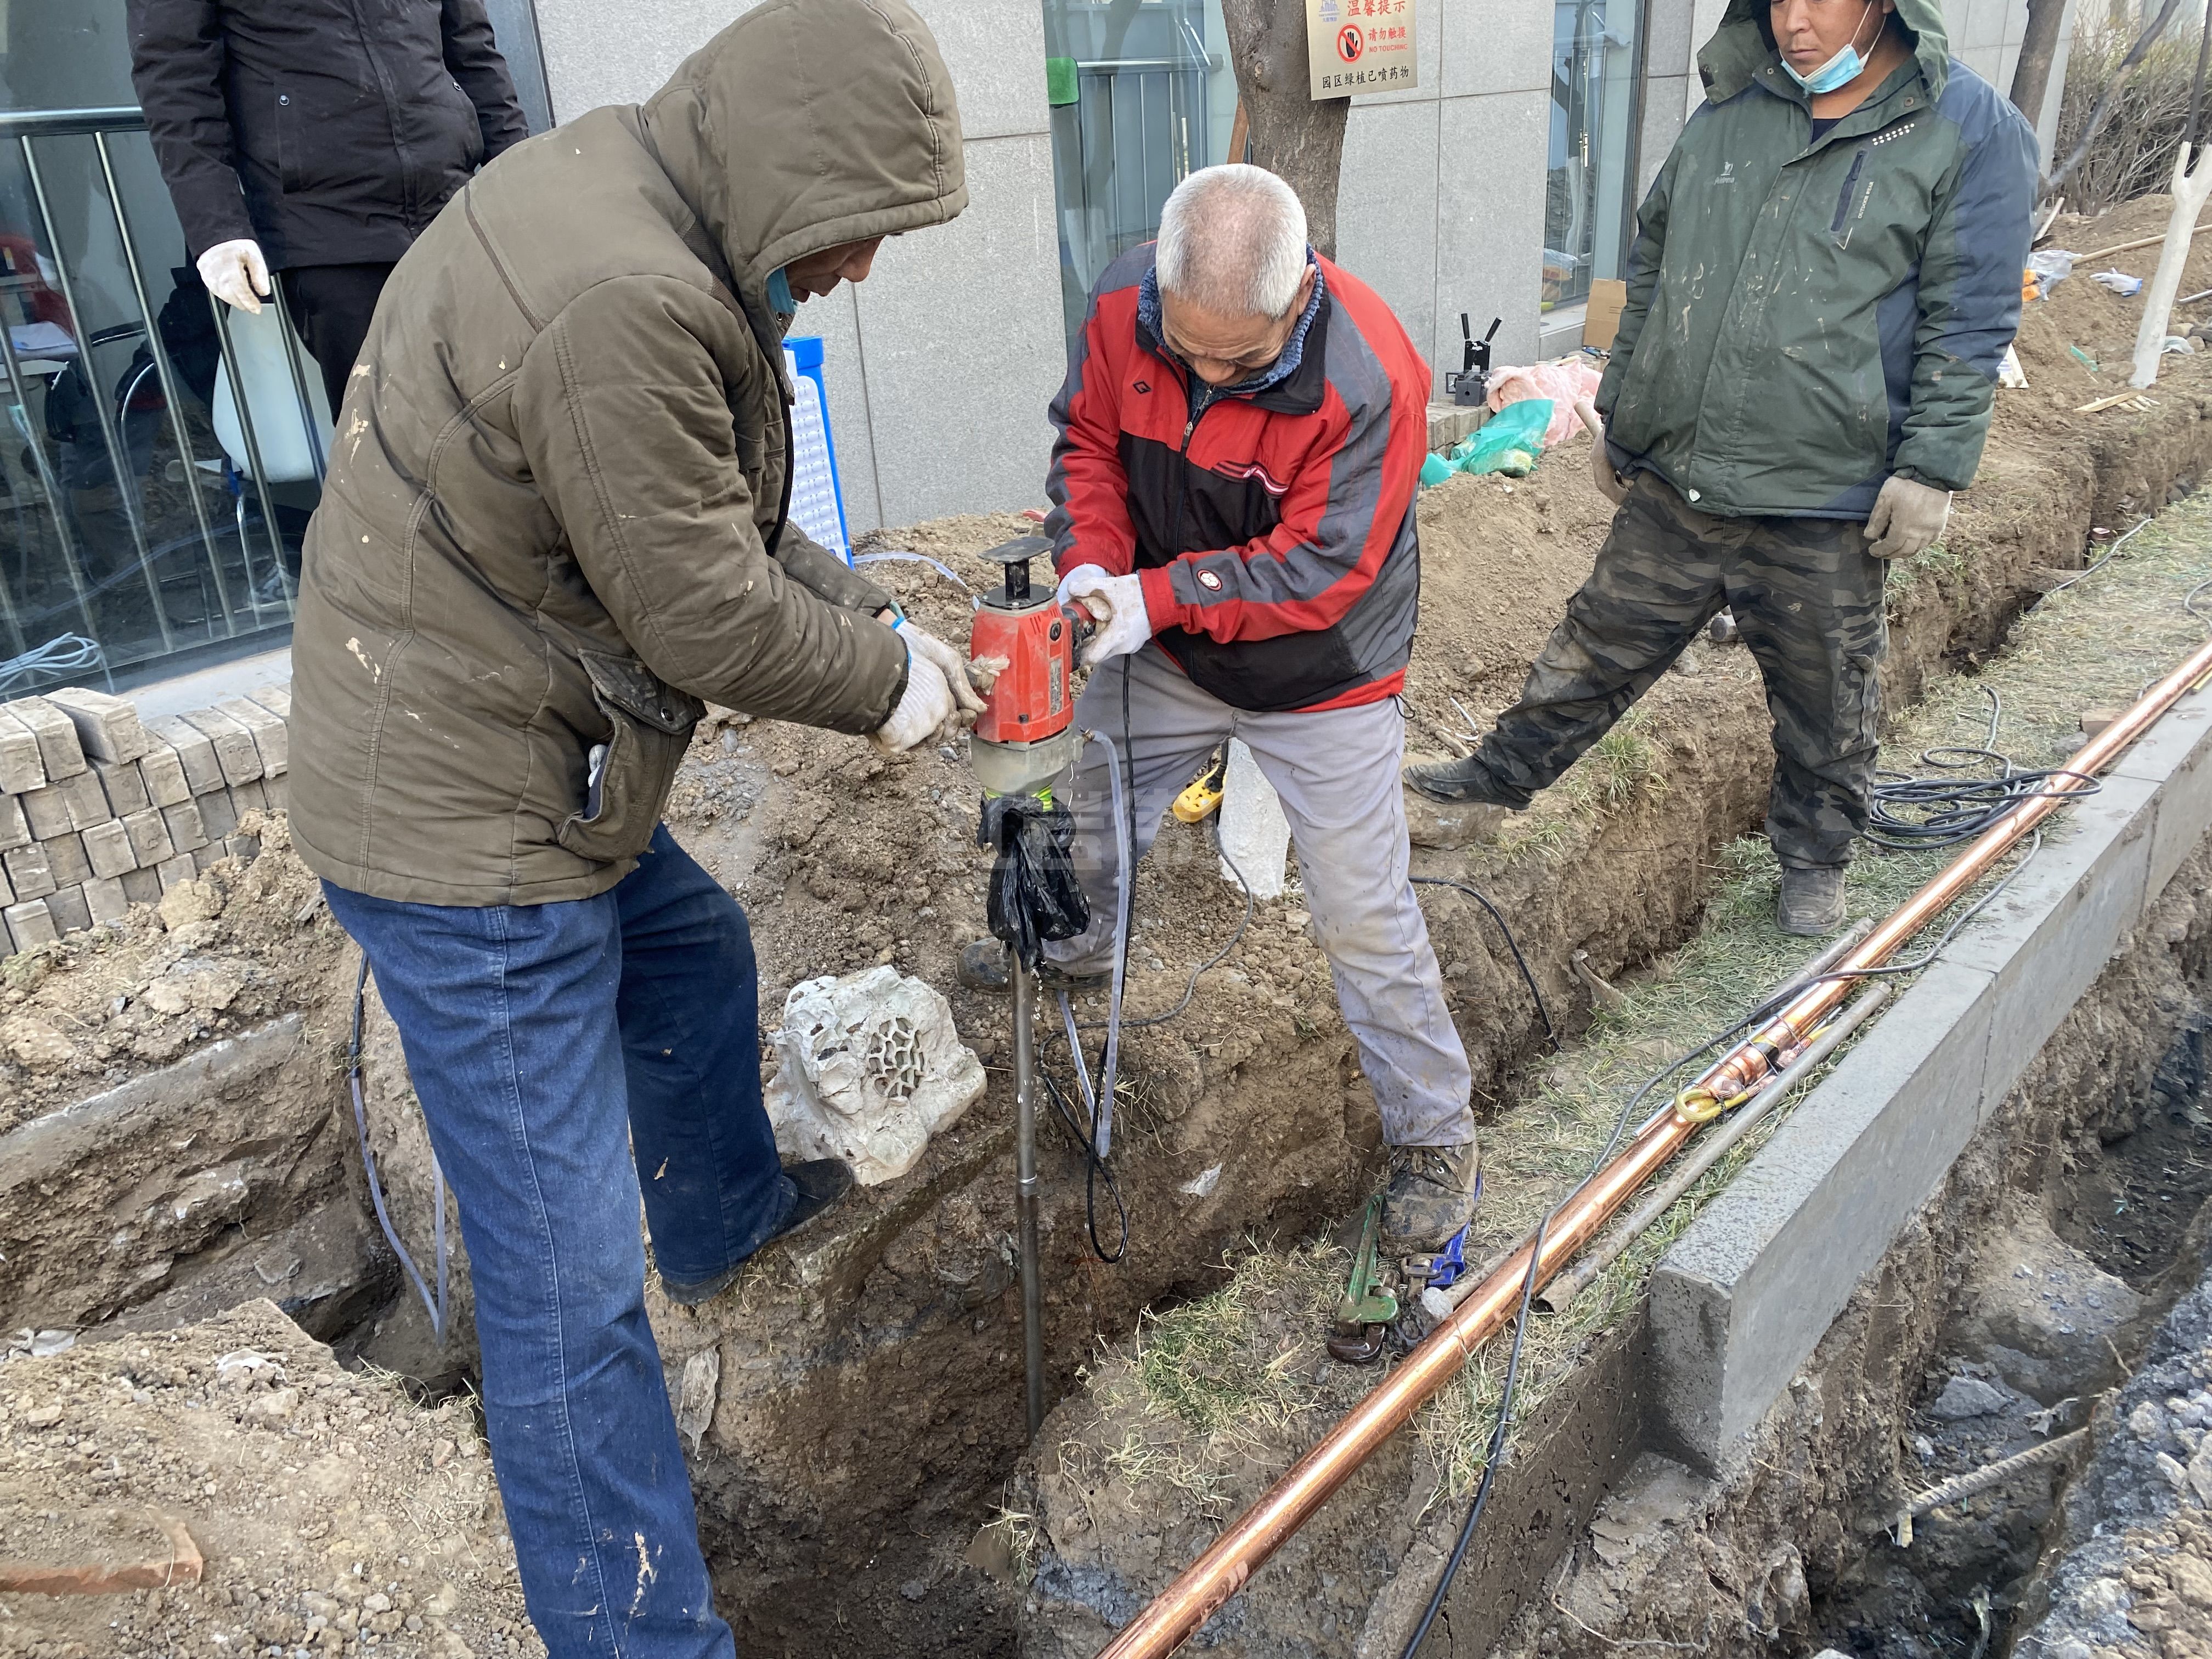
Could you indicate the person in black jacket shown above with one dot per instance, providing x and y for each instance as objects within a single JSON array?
[{"x": 316, "y": 139}]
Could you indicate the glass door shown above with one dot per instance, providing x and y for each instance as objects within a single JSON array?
[{"x": 1586, "y": 205}]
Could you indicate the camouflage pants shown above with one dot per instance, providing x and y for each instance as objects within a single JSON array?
[{"x": 1807, "y": 596}]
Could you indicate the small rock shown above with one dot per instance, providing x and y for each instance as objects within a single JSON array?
[
  {"x": 2175, "y": 1475},
  {"x": 33, "y": 1044},
  {"x": 42, "y": 1417},
  {"x": 1967, "y": 1396},
  {"x": 2146, "y": 1422},
  {"x": 913, "y": 1589},
  {"x": 198, "y": 900}
]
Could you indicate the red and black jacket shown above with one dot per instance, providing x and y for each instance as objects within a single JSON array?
[{"x": 1274, "y": 530}]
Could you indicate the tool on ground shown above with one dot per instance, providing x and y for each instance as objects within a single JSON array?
[
  {"x": 1468, "y": 385},
  {"x": 1174, "y": 1616},
  {"x": 1203, "y": 798},
  {"x": 1367, "y": 1307}
]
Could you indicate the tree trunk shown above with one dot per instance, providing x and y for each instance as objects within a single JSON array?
[
  {"x": 2031, "y": 79},
  {"x": 1300, "y": 141}
]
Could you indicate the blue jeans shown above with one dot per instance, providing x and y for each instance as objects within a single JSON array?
[{"x": 550, "y": 1044}]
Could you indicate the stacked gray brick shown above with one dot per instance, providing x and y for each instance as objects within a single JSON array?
[{"x": 99, "y": 810}]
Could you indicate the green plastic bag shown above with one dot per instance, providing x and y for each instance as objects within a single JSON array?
[{"x": 1509, "y": 441}]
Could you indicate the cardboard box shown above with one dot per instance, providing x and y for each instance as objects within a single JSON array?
[{"x": 1602, "y": 316}]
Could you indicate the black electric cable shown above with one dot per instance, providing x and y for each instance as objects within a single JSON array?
[
  {"x": 1086, "y": 1138},
  {"x": 1551, "y": 1035},
  {"x": 1908, "y": 813}
]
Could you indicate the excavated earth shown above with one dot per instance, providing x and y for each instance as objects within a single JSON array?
[{"x": 176, "y": 1137}]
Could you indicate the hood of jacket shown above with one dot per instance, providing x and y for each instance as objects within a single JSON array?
[
  {"x": 1741, "y": 47},
  {"x": 807, "y": 124}
]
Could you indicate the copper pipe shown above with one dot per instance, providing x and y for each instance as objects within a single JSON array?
[{"x": 1181, "y": 1610}]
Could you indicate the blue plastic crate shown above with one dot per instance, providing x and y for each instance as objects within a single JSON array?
[{"x": 817, "y": 504}]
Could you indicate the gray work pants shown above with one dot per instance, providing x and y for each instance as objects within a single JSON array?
[{"x": 1336, "y": 771}]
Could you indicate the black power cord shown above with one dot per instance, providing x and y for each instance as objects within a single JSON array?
[
  {"x": 1551, "y": 1035},
  {"x": 1946, "y": 808}
]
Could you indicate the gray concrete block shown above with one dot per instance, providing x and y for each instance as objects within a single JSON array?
[
  {"x": 252, "y": 797},
  {"x": 268, "y": 732},
  {"x": 125, "y": 787},
  {"x": 1744, "y": 1296},
  {"x": 66, "y": 858},
  {"x": 234, "y": 749},
  {"x": 47, "y": 812},
  {"x": 149, "y": 837},
  {"x": 66, "y": 905},
  {"x": 15, "y": 827},
  {"x": 2177, "y": 753},
  {"x": 195, "y": 754},
  {"x": 218, "y": 818},
  {"x": 1496, "y": 46},
  {"x": 21, "y": 769},
  {"x": 141, "y": 887},
  {"x": 172, "y": 871},
  {"x": 28, "y": 873},
  {"x": 103, "y": 896},
  {"x": 7, "y": 892},
  {"x": 59, "y": 751},
  {"x": 186, "y": 830},
  {"x": 276, "y": 699},
  {"x": 2046, "y": 937},
  {"x": 85, "y": 799},
  {"x": 206, "y": 857},
  {"x": 244, "y": 849},
  {"x": 108, "y": 726},
  {"x": 29, "y": 924},
  {"x": 163, "y": 776},
  {"x": 279, "y": 793},
  {"x": 108, "y": 845}
]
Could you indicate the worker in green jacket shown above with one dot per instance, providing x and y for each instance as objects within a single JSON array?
[{"x": 1825, "y": 276}]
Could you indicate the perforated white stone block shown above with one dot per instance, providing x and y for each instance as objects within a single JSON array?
[{"x": 1254, "y": 831}]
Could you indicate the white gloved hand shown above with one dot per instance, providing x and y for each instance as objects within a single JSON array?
[
  {"x": 1907, "y": 518},
  {"x": 1608, "y": 482},
  {"x": 920, "y": 642},
  {"x": 1116, "y": 603},
  {"x": 235, "y": 273},
  {"x": 926, "y": 708}
]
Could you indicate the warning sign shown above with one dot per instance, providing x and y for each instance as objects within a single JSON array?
[{"x": 1360, "y": 45}]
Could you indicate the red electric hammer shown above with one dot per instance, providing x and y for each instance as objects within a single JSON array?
[{"x": 1025, "y": 738}]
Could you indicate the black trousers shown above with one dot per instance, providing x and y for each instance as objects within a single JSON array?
[{"x": 330, "y": 306}]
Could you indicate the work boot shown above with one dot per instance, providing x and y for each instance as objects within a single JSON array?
[
  {"x": 1811, "y": 901},
  {"x": 1451, "y": 803},
  {"x": 822, "y": 1182},
  {"x": 983, "y": 967},
  {"x": 1432, "y": 1194}
]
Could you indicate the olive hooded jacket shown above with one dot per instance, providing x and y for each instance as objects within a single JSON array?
[
  {"x": 556, "y": 512},
  {"x": 1806, "y": 316}
]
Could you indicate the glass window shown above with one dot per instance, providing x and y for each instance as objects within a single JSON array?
[
  {"x": 1142, "y": 95},
  {"x": 1587, "y": 204}
]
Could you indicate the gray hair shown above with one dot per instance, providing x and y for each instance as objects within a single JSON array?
[{"x": 1233, "y": 240}]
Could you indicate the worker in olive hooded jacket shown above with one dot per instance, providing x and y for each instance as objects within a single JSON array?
[
  {"x": 556, "y": 519},
  {"x": 1825, "y": 276}
]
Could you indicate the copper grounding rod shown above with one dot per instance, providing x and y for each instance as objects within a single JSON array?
[{"x": 1181, "y": 1610}]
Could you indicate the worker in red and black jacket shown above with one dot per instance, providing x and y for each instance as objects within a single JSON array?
[{"x": 1241, "y": 433}]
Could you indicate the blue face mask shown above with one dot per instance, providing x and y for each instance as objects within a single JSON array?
[
  {"x": 1846, "y": 67},
  {"x": 779, "y": 294}
]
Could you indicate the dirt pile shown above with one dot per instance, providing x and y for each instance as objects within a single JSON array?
[{"x": 333, "y": 1516}]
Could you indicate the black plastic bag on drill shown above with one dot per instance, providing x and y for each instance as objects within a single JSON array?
[{"x": 1035, "y": 895}]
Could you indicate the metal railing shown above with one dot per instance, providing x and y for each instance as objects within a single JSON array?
[{"x": 234, "y": 575}]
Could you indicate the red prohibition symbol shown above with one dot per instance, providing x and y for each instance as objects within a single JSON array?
[{"x": 1349, "y": 44}]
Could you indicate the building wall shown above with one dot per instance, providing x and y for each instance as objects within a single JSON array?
[{"x": 939, "y": 366}]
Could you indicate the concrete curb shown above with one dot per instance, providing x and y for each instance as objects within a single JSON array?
[{"x": 1740, "y": 1300}]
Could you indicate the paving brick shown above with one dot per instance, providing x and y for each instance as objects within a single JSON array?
[
  {"x": 148, "y": 837},
  {"x": 67, "y": 906},
  {"x": 7, "y": 893},
  {"x": 107, "y": 727},
  {"x": 244, "y": 849},
  {"x": 279, "y": 791},
  {"x": 218, "y": 818},
  {"x": 276, "y": 699},
  {"x": 250, "y": 797},
  {"x": 14, "y": 828},
  {"x": 204, "y": 859},
  {"x": 125, "y": 786},
  {"x": 59, "y": 752},
  {"x": 234, "y": 744},
  {"x": 66, "y": 858},
  {"x": 186, "y": 832},
  {"x": 21, "y": 769},
  {"x": 178, "y": 869},
  {"x": 28, "y": 873},
  {"x": 195, "y": 753},
  {"x": 87, "y": 801},
  {"x": 163, "y": 775},
  {"x": 103, "y": 896},
  {"x": 268, "y": 731},
  {"x": 141, "y": 887},
  {"x": 46, "y": 811},
  {"x": 108, "y": 848},
  {"x": 29, "y": 923}
]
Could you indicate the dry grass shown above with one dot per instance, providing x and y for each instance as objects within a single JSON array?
[
  {"x": 2134, "y": 150},
  {"x": 1216, "y": 1383}
]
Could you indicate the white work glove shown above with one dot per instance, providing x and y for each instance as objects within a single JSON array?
[
  {"x": 1907, "y": 518},
  {"x": 1608, "y": 482},
  {"x": 920, "y": 642},
  {"x": 1116, "y": 603},
  {"x": 236, "y": 274},
  {"x": 926, "y": 708}
]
